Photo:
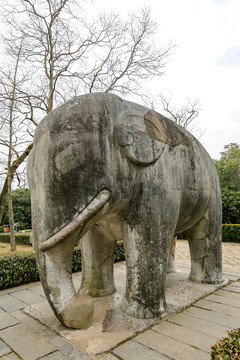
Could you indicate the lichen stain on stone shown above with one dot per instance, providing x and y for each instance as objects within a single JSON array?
[{"x": 165, "y": 130}]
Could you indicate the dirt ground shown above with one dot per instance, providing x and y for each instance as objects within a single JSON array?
[{"x": 5, "y": 249}]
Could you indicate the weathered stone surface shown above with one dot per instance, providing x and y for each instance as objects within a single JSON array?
[
  {"x": 133, "y": 350},
  {"x": 170, "y": 347},
  {"x": 37, "y": 346},
  {"x": 220, "y": 308},
  {"x": 27, "y": 297},
  {"x": 10, "y": 303},
  {"x": 56, "y": 355},
  {"x": 4, "y": 349},
  {"x": 10, "y": 356},
  {"x": 6, "y": 320},
  {"x": 232, "y": 288},
  {"x": 224, "y": 300},
  {"x": 104, "y": 169},
  {"x": 203, "y": 326},
  {"x": 213, "y": 316},
  {"x": 230, "y": 294},
  {"x": 185, "y": 335}
]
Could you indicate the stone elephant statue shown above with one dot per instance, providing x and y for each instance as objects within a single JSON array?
[{"x": 105, "y": 169}]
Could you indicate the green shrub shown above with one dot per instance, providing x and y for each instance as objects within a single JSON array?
[
  {"x": 231, "y": 233},
  {"x": 1, "y": 229},
  {"x": 227, "y": 348},
  {"x": 17, "y": 269},
  {"x": 119, "y": 252},
  {"x": 21, "y": 238},
  {"x": 21, "y": 209},
  {"x": 21, "y": 269}
]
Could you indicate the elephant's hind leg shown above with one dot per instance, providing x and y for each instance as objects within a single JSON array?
[
  {"x": 205, "y": 243},
  {"x": 97, "y": 248},
  {"x": 171, "y": 258}
]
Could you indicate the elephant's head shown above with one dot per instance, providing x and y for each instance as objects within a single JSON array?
[{"x": 82, "y": 164}]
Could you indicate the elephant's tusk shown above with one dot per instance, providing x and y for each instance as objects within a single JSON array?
[{"x": 90, "y": 210}]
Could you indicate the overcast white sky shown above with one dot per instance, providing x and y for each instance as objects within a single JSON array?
[{"x": 204, "y": 65}]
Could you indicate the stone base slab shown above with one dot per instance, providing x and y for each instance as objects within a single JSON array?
[{"x": 110, "y": 325}]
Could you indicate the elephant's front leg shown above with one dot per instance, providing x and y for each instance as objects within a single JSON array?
[
  {"x": 148, "y": 232},
  {"x": 97, "y": 249},
  {"x": 146, "y": 252}
]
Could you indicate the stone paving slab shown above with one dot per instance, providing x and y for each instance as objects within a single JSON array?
[
  {"x": 224, "y": 300},
  {"x": 213, "y": 317},
  {"x": 10, "y": 303},
  {"x": 7, "y": 320},
  {"x": 37, "y": 346},
  {"x": 186, "y": 335},
  {"x": 27, "y": 296},
  {"x": 38, "y": 290},
  {"x": 108, "y": 357},
  {"x": 133, "y": 350},
  {"x": 4, "y": 349},
  {"x": 231, "y": 287},
  {"x": 220, "y": 308},
  {"x": 195, "y": 324},
  {"x": 70, "y": 351},
  {"x": 170, "y": 347},
  {"x": 56, "y": 355},
  {"x": 231, "y": 294},
  {"x": 10, "y": 356}
]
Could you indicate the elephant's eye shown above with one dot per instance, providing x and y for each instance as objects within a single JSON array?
[{"x": 67, "y": 159}]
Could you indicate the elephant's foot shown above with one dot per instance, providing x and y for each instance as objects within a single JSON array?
[
  {"x": 133, "y": 308},
  {"x": 171, "y": 266},
  {"x": 78, "y": 312},
  {"x": 201, "y": 272},
  {"x": 96, "y": 291}
]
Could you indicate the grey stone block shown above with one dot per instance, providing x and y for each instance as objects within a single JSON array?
[
  {"x": 72, "y": 352},
  {"x": 170, "y": 347},
  {"x": 231, "y": 287},
  {"x": 6, "y": 320},
  {"x": 185, "y": 335},
  {"x": 133, "y": 350},
  {"x": 57, "y": 355},
  {"x": 220, "y": 308},
  {"x": 224, "y": 300},
  {"x": 28, "y": 297},
  {"x": 213, "y": 316},
  {"x": 10, "y": 303},
  {"x": 203, "y": 326},
  {"x": 227, "y": 293},
  {"x": 4, "y": 349},
  {"x": 36, "y": 348},
  {"x": 38, "y": 290},
  {"x": 10, "y": 356},
  {"x": 108, "y": 357}
]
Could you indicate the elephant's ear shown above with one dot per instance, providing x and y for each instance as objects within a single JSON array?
[{"x": 138, "y": 146}]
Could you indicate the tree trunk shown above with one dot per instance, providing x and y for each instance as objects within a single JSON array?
[
  {"x": 15, "y": 165},
  {"x": 10, "y": 215}
]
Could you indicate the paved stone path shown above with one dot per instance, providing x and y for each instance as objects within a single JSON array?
[{"x": 184, "y": 336}]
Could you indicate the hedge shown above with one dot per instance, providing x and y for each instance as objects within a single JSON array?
[
  {"x": 21, "y": 238},
  {"x": 231, "y": 233},
  {"x": 21, "y": 269}
]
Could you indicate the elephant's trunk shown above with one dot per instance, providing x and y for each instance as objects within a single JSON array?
[
  {"x": 90, "y": 210},
  {"x": 55, "y": 267}
]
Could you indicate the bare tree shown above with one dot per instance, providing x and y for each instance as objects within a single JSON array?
[
  {"x": 9, "y": 82},
  {"x": 185, "y": 115},
  {"x": 65, "y": 56}
]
